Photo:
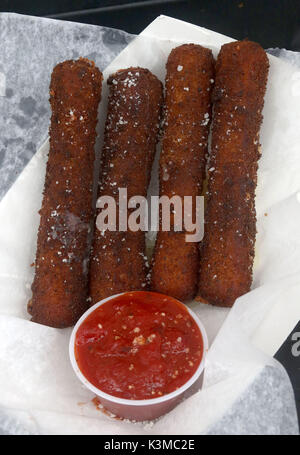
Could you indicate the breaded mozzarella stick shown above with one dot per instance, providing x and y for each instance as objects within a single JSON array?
[
  {"x": 189, "y": 82},
  {"x": 59, "y": 289},
  {"x": 131, "y": 132},
  {"x": 227, "y": 252}
]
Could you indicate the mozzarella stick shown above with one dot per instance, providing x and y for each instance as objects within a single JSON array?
[
  {"x": 118, "y": 261},
  {"x": 189, "y": 82},
  {"x": 227, "y": 252},
  {"x": 59, "y": 289}
]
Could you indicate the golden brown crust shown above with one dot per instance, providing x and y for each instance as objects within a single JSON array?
[
  {"x": 132, "y": 124},
  {"x": 226, "y": 255},
  {"x": 189, "y": 80},
  {"x": 60, "y": 283}
]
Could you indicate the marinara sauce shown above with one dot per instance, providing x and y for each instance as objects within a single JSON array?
[{"x": 139, "y": 345}]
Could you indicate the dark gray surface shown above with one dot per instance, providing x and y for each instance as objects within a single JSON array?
[
  {"x": 268, "y": 22},
  {"x": 270, "y": 391},
  {"x": 30, "y": 48}
]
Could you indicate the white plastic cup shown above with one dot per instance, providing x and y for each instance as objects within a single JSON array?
[{"x": 140, "y": 410}]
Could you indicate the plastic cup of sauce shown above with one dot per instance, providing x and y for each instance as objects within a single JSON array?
[{"x": 140, "y": 352}]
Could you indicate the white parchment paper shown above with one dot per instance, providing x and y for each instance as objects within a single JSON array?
[{"x": 37, "y": 384}]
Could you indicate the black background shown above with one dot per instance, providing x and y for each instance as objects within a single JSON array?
[{"x": 272, "y": 23}]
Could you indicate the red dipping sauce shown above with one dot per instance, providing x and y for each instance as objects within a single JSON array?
[{"x": 139, "y": 346}]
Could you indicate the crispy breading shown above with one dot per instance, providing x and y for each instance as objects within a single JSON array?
[
  {"x": 189, "y": 82},
  {"x": 227, "y": 251},
  {"x": 118, "y": 261},
  {"x": 60, "y": 283}
]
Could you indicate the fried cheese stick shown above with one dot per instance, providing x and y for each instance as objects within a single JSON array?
[
  {"x": 189, "y": 82},
  {"x": 60, "y": 284},
  {"x": 227, "y": 251},
  {"x": 118, "y": 261}
]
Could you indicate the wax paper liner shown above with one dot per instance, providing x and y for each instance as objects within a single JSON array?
[{"x": 39, "y": 391}]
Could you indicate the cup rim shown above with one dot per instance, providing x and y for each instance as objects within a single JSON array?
[{"x": 125, "y": 401}]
